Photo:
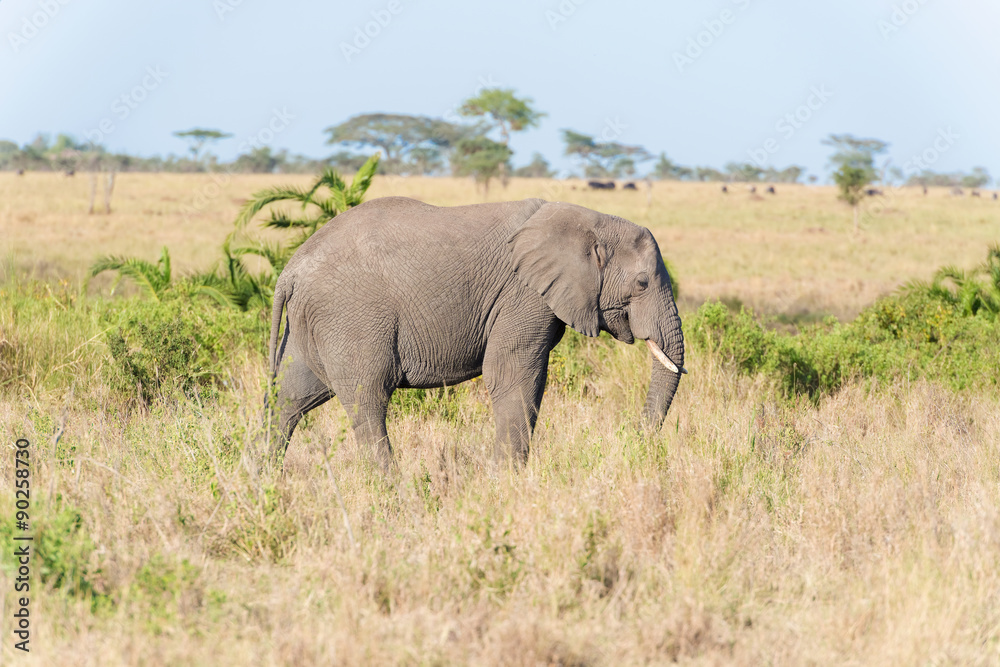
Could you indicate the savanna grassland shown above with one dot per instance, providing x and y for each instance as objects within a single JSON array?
[{"x": 850, "y": 518}]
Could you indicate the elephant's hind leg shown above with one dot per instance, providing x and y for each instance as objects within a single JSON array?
[
  {"x": 364, "y": 391},
  {"x": 298, "y": 392}
]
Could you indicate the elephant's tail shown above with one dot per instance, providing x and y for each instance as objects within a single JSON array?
[{"x": 281, "y": 295}]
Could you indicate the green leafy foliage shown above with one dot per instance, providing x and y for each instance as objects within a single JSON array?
[
  {"x": 152, "y": 279},
  {"x": 410, "y": 144},
  {"x": 507, "y": 112},
  {"x": 603, "y": 158},
  {"x": 177, "y": 345},
  {"x": 569, "y": 366},
  {"x": 63, "y": 554},
  {"x": 539, "y": 167},
  {"x": 246, "y": 290},
  {"x": 925, "y": 330},
  {"x": 851, "y": 181},
  {"x": 965, "y": 290},
  {"x": 855, "y": 153},
  {"x": 480, "y": 157},
  {"x": 199, "y": 137}
]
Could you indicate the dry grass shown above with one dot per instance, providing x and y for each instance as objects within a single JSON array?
[{"x": 751, "y": 530}]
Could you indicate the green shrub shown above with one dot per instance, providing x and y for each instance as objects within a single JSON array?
[
  {"x": 177, "y": 345},
  {"x": 568, "y": 363},
  {"x": 739, "y": 339},
  {"x": 63, "y": 553},
  {"x": 916, "y": 333}
]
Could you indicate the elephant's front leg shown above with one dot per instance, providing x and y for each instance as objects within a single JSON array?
[{"x": 515, "y": 378}]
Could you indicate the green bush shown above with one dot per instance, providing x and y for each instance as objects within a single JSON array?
[
  {"x": 911, "y": 334},
  {"x": 159, "y": 348},
  {"x": 63, "y": 552}
]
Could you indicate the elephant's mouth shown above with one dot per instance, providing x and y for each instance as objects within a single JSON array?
[{"x": 615, "y": 322}]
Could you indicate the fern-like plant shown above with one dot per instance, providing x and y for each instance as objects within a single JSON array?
[
  {"x": 316, "y": 211},
  {"x": 247, "y": 290},
  {"x": 969, "y": 292},
  {"x": 153, "y": 279}
]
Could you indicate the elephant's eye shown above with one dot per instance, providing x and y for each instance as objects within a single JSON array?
[{"x": 641, "y": 283}]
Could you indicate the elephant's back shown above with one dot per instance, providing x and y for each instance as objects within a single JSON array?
[{"x": 400, "y": 230}]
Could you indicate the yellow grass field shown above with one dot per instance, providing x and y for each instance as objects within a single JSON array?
[
  {"x": 752, "y": 529},
  {"x": 788, "y": 253}
]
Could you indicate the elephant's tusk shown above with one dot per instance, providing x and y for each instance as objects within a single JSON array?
[{"x": 662, "y": 358}]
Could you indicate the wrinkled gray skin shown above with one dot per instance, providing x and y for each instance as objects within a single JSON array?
[{"x": 398, "y": 293}]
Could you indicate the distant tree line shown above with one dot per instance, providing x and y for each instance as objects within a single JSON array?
[
  {"x": 977, "y": 178},
  {"x": 472, "y": 142},
  {"x": 65, "y": 153},
  {"x": 740, "y": 172}
]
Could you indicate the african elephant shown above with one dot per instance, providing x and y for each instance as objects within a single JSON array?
[{"x": 396, "y": 293}]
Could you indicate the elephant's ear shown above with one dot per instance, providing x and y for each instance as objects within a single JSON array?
[{"x": 557, "y": 254}]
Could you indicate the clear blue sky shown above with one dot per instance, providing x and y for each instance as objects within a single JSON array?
[{"x": 900, "y": 71}]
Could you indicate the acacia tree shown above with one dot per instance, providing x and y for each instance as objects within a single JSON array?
[
  {"x": 667, "y": 170},
  {"x": 409, "y": 144},
  {"x": 856, "y": 153},
  {"x": 482, "y": 158},
  {"x": 601, "y": 159},
  {"x": 852, "y": 181},
  {"x": 539, "y": 167},
  {"x": 506, "y": 112},
  {"x": 977, "y": 179},
  {"x": 198, "y": 137},
  {"x": 854, "y": 160}
]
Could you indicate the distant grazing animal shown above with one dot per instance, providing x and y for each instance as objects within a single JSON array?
[
  {"x": 398, "y": 293},
  {"x": 629, "y": 186},
  {"x": 975, "y": 193},
  {"x": 601, "y": 185},
  {"x": 20, "y": 172},
  {"x": 872, "y": 192},
  {"x": 71, "y": 172},
  {"x": 994, "y": 196},
  {"x": 770, "y": 190},
  {"x": 752, "y": 189},
  {"x": 925, "y": 190},
  {"x": 957, "y": 191},
  {"x": 725, "y": 190}
]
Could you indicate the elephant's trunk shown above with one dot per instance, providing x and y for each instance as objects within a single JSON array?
[{"x": 664, "y": 379}]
